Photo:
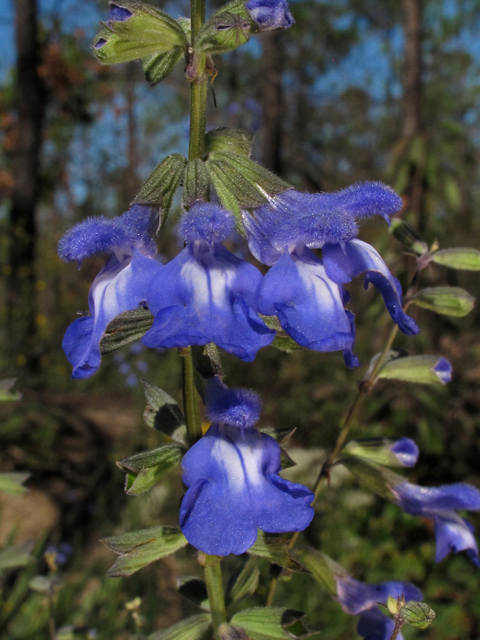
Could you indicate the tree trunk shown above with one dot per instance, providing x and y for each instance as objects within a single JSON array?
[
  {"x": 272, "y": 99},
  {"x": 30, "y": 99},
  {"x": 413, "y": 126}
]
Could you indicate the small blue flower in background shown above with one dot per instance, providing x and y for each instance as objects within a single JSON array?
[
  {"x": 270, "y": 14},
  {"x": 232, "y": 475},
  {"x": 443, "y": 369},
  {"x": 206, "y": 294},
  {"x": 452, "y": 533},
  {"x": 306, "y": 293},
  {"x": 120, "y": 286},
  {"x": 359, "y": 598}
]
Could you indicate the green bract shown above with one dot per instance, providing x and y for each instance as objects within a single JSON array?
[
  {"x": 447, "y": 301},
  {"x": 147, "y": 32}
]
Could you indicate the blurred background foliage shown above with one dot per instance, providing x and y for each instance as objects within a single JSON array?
[{"x": 356, "y": 90}]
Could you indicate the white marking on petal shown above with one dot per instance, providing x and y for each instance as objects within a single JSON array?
[
  {"x": 240, "y": 461},
  {"x": 210, "y": 286}
]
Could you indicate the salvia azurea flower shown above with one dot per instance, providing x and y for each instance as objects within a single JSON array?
[
  {"x": 206, "y": 294},
  {"x": 233, "y": 482},
  {"x": 358, "y": 598},
  {"x": 306, "y": 293},
  {"x": 270, "y": 14},
  {"x": 452, "y": 532},
  {"x": 120, "y": 286}
]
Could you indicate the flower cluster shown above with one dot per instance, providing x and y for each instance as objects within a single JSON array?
[
  {"x": 207, "y": 294},
  {"x": 233, "y": 482}
]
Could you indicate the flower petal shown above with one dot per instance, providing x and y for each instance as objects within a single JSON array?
[
  {"x": 308, "y": 304},
  {"x": 356, "y": 597},
  {"x": 418, "y": 501},
  {"x": 207, "y": 296},
  {"x": 406, "y": 451},
  {"x": 374, "y": 625},
  {"x": 454, "y": 534},
  {"x": 120, "y": 286},
  {"x": 234, "y": 490},
  {"x": 270, "y": 14},
  {"x": 344, "y": 264}
]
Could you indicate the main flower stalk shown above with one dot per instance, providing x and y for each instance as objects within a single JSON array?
[{"x": 198, "y": 107}]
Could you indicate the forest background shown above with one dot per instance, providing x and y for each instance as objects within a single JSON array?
[{"x": 356, "y": 90}]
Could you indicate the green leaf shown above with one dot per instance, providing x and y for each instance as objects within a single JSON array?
[
  {"x": 272, "y": 546},
  {"x": 160, "y": 65},
  {"x": 40, "y": 584},
  {"x": 418, "y": 369},
  {"x": 280, "y": 434},
  {"x": 286, "y": 461},
  {"x": 163, "y": 413},
  {"x": 418, "y": 614},
  {"x": 194, "y": 590},
  {"x": 267, "y": 623},
  {"x": 225, "y": 31},
  {"x": 374, "y": 477},
  {"x": 458, "y": 258},
  {"x": 149, "y": 467},
  {"x": 6, "y": 393},
  {"x": 322, "y": 568},
  {"x": 282, "y": 341},
  {"x": 241, "y": 183},
  {"x": 193, "y": 628},
  {"x": 125, "y": 328},
  {"x": 244, "y": 581},
  {"x": 12, "y": 483},
  {"x": 17, "y": 555},
  {"x": 146, "y": 32},
  {"x": 408, "y": 236},
  {"x": 234, "y": 140},
  {"x": 196, "y": 183},
  {"x": 72, "y": 632},
  {"x": 447, "y": 301},
  {"x": 160, "y": 187},
  {"x": 140, "y": 548},
  {"x": 378, "y": 450}
]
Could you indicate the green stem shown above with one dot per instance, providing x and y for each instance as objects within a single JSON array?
[
  {"x": 213, "y": 579},
  {"x": 190, "y": 399},
  {"x": 364, "y": 389}
]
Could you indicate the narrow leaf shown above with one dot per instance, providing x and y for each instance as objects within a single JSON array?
[
  {"x": 419, "y": 369},
  {"x": 194, "y": 590},
  {"x": 125, "y": 328},
  {"x": 160, "y": 187},
  {"x": 40, "y": 584},
  {"x": 418, "y": 614},
  {"x": 244, "y": 581},
  {"x": 447, "y": 301},
  {"x": 196, "y": 183},
  {"x": 140, "y": 548},
  {"x": 17, "y": 555},
  {"x": 149, "y": 467},
  {"x": 193, "y": 628},
  {"x": 12, "y": 483},
  {"x": 280, "y": 434},
  {"x": 163, "y": 413},
  {"x": 391, "y": 452},
  {"x": 458, "y": 258},
  {"x": 234, "y": 140},
  {"x": 266, "y": 623},
  {"x": 272, "y": 546},
  {"x": 408, "y": 236}
]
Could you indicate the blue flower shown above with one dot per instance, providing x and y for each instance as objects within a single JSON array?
[
  {"x": 452, "y": 533},
  {"x": 270, "y": 14},
  {"x": 234, "y": 486},
  {"x": 405, "y": 451},
  {"x": 358, "y": 598},
  {"x": 120, "y": 286},
  {"x": 206, "y": 294},
  {"x": 307, "y": 293}
]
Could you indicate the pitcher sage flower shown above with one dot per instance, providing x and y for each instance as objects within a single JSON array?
[
  {"x": 233, "y": 482},
  {"x": 120, "y": 286}
]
